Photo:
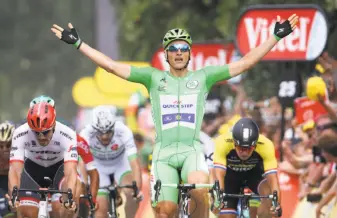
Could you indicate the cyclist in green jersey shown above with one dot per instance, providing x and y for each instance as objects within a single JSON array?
[{"x": 178, "y": 98}]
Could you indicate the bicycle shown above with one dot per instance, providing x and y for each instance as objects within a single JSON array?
[
  {"x": 184, "y": 195},
  {"x": 244, "y": 204},
  {"x": 112, "y": 213},
  {"x": 44, "y": 199}
]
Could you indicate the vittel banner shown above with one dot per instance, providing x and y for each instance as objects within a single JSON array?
[{"x": 306, "y": 42}]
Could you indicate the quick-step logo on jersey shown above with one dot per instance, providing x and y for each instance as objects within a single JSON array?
[{"x": 174, "y": 111}]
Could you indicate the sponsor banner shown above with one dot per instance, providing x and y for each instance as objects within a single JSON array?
[
  {"x": 289, "y": 186},
  {"x": 306, "y": 42},
  {"x": 307, "y": 109}
]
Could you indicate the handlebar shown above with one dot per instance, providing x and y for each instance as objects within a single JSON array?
[
  {"x": 276, "y": 203},
  {"x": 41, "y": 191},
  {"x": 133, "y": 186},
  {"x": 216, "y": 194},
  {"x": 184, "y": 187},
  {"x": 246, "y": 195},
  {"x": 273, "y": 197},
  {"x": 89, "y": 197}
]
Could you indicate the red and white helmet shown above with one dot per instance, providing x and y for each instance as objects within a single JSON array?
[{"x": 41, "y": 117}]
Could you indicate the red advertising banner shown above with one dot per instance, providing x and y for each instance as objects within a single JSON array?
[
  {"x": 306, "y": 109},
  {"x": 289, "y": 185},
  {"x": 306, "y": 42},
  {"x": 208, "y": 54}
]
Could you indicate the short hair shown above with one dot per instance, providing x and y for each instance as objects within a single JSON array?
[{"x": 327, "y": 140}]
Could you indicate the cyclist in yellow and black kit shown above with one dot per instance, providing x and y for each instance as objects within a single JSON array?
[{"x": 245, "y": 158}]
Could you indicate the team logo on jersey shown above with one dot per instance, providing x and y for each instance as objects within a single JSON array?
[
  {"x": 66, "y": 135},
  {"x": 20, "y": 135},
  {"x": 163, "y": 84},
  {"x": 114, "y": 147},
  {"x": 192, "y": 84},
  {"x": 210, "y": 157}
]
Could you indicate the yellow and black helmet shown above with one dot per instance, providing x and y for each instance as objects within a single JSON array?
[{"x": 6, "y": 131}]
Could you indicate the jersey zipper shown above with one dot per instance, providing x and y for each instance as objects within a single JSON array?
[{"x": 178, "y": 115}]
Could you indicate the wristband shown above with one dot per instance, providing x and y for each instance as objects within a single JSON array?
[
  {"x": 277, "y": 38},
  {"x": 78, "y": 44}
]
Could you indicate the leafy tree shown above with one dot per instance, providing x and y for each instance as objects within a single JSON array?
[{"x": 33, "y": 61}]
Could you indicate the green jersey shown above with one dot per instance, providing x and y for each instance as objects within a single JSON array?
[
  {"x": 178, "y": 102},
  {"x": 177, "y": 109}
]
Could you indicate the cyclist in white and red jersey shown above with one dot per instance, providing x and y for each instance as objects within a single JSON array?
[
  {"x": 115, "y": 153},
  {"x": 43, "y": 147},
  {"x": 85, "y": 156}
]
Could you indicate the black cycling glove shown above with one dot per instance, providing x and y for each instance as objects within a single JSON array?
[
  {"x": 71, "y": 37},
  {"x": 281, "y": 30}
]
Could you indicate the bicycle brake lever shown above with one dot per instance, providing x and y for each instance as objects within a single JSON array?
[
  {"x": 276, "y": 204},
  {"x": 135, "y": 189}
]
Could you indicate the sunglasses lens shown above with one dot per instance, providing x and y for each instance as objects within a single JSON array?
[
  {"x": 243, "y": 149},
  {"x": 185, "y": 48},
  {"x": 172, "y": 48},
  {"x": 44, "y": 133},
  {"x": 176, "y": 47},
  {"x": 103, "y": 133}
]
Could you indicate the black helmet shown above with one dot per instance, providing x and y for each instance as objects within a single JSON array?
[{"x": 245, "y": 132}]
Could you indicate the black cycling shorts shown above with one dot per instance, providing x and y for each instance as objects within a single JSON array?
[
  {"x": 235, "y": 182},
  {"x": 32, "y": 177}
]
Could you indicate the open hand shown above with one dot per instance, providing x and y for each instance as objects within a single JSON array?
[
  {"x": 69, "y": 37},
  {"x": 281, "y": 30}
]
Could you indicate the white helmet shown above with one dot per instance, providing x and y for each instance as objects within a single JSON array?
[{"x": 104, "y": 117}]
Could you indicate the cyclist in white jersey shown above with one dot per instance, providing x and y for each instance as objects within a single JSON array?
[
  {"x": 43, "y": 147},
  {"x": 115, "y": 153},
  {"x": 86, "y": 165}
]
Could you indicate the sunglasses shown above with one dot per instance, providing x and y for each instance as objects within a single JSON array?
[
  {"x": 103, "y": 133},
  {"x": 42, "y": 133},
  {"x": 244, "y": 149},
  {"x": 176, "y": 47}
]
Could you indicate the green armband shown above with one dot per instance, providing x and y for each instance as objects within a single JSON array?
[
  {"x": 78, "y": 44},
  {"x": 277, "y": 38}
]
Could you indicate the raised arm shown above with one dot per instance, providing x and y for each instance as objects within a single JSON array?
[
  {"x": 256, "y": 54},
  {"x": 71, "y": 37}
]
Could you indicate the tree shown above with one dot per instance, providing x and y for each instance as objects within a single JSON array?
[{"x": 33, "y": 61}]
